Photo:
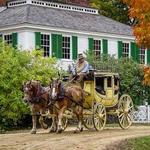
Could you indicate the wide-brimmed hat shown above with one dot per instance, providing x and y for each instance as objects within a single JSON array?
[{"x": 80, "y": 56}]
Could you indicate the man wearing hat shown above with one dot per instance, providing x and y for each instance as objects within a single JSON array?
[{"x": 82, "y": 68}]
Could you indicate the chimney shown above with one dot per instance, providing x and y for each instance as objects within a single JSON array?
[
  {"x": 74, "y": 2},
  {"x": 78, "y": 2},
  {"x": 3, "y": 3}
]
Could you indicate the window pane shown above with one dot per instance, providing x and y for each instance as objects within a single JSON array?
[
  {"x": 66, "y": 47},
  {"x": 45, "y": 44}
]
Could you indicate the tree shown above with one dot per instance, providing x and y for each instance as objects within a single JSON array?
[
  {"x": 17, "y": 67},
  {"x": 146, "y": 76},
  {"x": 114, "y": 9},
  {"x": 140, "y": 10}
]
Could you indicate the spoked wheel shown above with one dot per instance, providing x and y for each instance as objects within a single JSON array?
[
  {"x": 125, "y": 108},
  {"x": 99, "y": 116},
  {"x": 88, "y": 121}
]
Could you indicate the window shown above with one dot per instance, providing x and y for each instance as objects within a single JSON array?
[
  {"x": 125, "y": 51},
  {"x": 97, "y": 48},
  {"x": 45, "y": 44},
  {"x": 142, "y": 55},
  {"x": 99, "y": 81},
  {"x": 8, "y": 38},
  {"x": 66, "y": 48},
  {"x": 109, "y": 82}
]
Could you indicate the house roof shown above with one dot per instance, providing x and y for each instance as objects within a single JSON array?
[{"x": 52, "y": 17}]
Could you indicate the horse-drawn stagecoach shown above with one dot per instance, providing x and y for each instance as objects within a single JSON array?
[{"x": 102, "y": 98}]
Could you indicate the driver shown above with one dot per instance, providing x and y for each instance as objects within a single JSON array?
[{"x": 82, "y": 69}]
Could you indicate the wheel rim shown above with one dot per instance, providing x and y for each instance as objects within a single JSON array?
[
  {"x": 99, "y": 116},
  {"x": 125, "y": 108},
  {"x": 88, "y": 122}
]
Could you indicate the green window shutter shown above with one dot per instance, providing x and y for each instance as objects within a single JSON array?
[
  {"x": 74, "y": 47},
  {"x": 133, "y": 50},
  {"x": 105, "y": 46},
  {"x": 37, "y": 40},
  {"x": 1, "y": 37},
  {"x": 59, "y": 46},
  {"x": 137, "y": 54},
  {"x": 56, "y": 45},
  {"x": 14, "y": 40},
  {"x": 119, "y": 49},
  {"x": 148, "y": 56},
  {"x": 91, "y": 44}
]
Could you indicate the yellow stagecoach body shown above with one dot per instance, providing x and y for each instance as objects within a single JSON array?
[{"x": 102, "y": 89}]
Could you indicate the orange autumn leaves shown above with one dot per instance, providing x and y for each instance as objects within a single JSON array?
[
  {"x": 146, "y": 76},
  {"x": 140, "y": 9}
]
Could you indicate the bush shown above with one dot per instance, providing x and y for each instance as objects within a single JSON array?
[{"x": 17, "y": 67}]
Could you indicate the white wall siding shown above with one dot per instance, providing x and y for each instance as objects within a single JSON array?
[
  {"x": 26, "y": 40},
  {"x": 113, "y": 47},
  {"x": 82, "y": 44}
]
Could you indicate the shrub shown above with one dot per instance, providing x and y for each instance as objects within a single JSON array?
[{"x": 17, "y": 67}]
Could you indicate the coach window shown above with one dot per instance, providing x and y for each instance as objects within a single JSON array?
[{"x": 109, "y": 82}]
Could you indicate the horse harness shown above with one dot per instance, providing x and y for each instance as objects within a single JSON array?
[{"x": 38, "y": 96}]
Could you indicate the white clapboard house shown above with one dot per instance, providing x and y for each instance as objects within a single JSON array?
[{"x": 64, "y": 30}]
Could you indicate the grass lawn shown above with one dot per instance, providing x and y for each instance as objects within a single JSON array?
[{"x": 137, "y": 144}]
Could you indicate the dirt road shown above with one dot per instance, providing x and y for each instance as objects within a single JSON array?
[{"x": 87, "y": 140}]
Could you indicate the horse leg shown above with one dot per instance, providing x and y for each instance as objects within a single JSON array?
[
  {"x": 60, "y": 116},
  {"x": 54, "y": 124},
  {"x": 41, "y": 120},
  {"x": 79, "y": 114},
  {"x": 34, "y": 118}
]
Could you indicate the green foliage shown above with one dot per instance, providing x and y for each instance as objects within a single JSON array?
[
  {"x": 114, "y": 9},
  {"x": 131, "y": 75},
  {"x": 17, "y": 67}
]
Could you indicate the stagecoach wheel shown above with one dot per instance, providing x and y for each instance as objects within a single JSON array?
[
  {"x": 88, "y": 121},
  {"x": 64, "y": 122},
  {"x": 99, "y": 116},
  {"x": 125, "y": 111}
]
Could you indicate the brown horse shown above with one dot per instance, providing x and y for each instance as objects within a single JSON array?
[
  {"x": 38, "y": 99},
  {"x": 72, "y": 97}
]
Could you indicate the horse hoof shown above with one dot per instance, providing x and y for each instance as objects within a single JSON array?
[
  {"x": 78, "y": 130},
  {"x": 59, "y": 131},
  {"x": 52, "y": 131},
  {"x": 33, "y": 132}
]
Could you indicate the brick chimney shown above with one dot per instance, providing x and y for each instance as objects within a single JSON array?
[
  {"x": 3, "y": 2},
  {"x": 78, "y": 2}
]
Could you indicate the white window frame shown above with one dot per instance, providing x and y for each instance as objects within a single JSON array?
[
  {"x": 142, "y": 55},
  {"x": 67, "y": 36},
  {"x": 43, "y": 46},
  {"x": 125, "y": 52},
  {"x": 100, "y": 46},
  {"x": 8, "y": 41}
]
